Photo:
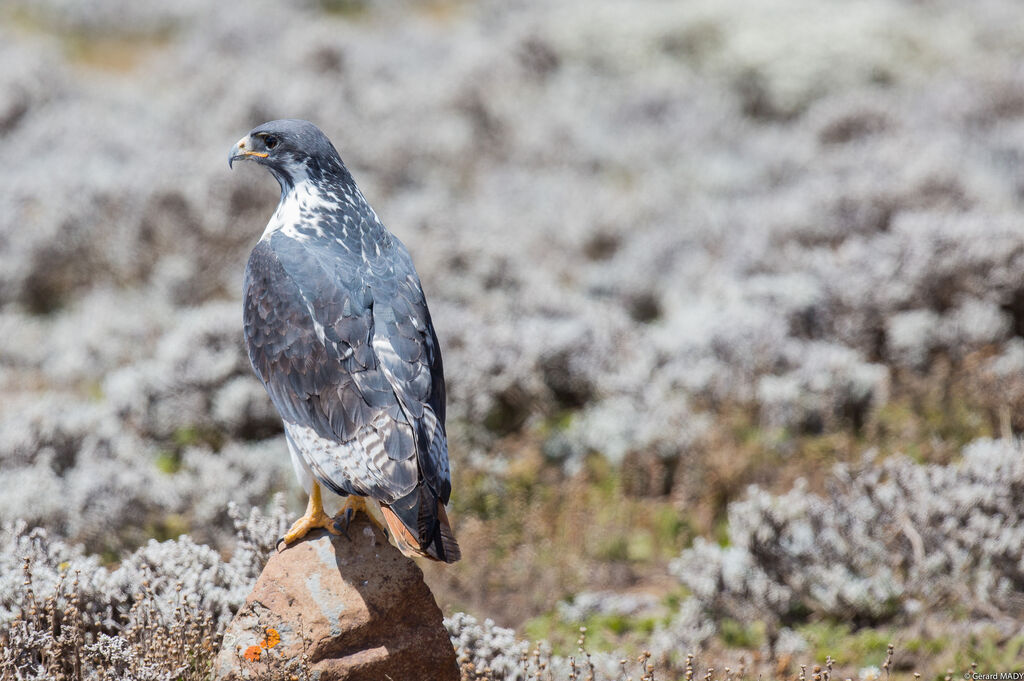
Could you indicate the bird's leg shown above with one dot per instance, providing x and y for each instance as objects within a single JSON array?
[
  {"x": 354, "y": 504},
  {"x": 314, "y": 518}
]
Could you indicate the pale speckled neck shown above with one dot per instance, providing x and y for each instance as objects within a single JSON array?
[{"x": 313, "y": 208}]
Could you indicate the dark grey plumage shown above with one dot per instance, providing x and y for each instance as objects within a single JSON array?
[{"x": 337, "y": 329}]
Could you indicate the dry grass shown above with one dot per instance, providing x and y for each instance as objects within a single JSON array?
[
  {"x": 541, "y": 666},
  {"x": 53, "y": 638},
  {"x": 539, "y": 535}
]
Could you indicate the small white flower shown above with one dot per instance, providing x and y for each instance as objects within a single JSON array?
[{"x": 870, "y": 674}]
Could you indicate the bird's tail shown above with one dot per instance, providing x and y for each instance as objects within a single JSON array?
[{"x": 420, "y": 526}]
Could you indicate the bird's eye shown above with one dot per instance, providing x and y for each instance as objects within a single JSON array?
[{"x": 270, "y": 141}]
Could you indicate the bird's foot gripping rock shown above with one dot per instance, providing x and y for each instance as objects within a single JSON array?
[
  {"x": 354, "y": 504},
  {"x": 314, "y": 518},
  {"x": 308, "y": 523}
]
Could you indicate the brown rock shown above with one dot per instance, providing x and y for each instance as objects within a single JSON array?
[{"x": 330, "y": 608}]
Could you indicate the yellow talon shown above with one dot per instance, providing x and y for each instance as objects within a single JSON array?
[
  {"x": 355, "y": 504},
  {"x": 313, "y": 519}
]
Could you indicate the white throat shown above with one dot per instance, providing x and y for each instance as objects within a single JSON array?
[{"x": 297, "y": 214}]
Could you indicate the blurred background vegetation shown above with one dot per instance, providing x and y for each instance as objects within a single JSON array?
[{"x": 730, "y": 294}]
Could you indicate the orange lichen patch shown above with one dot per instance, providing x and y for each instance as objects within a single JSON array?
[
  {"x": 252, "y": 653},
  {"x": 271, "y": 639}
]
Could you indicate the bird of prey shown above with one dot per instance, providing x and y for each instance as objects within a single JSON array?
[{"x": 338, "y": 331}]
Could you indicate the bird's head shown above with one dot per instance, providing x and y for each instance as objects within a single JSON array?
[{"x": 291, "y": 149}]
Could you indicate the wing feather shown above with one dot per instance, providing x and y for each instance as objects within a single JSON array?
[
  {"x": 354, "y": 367},
  {"x": 346, "y": 349}
]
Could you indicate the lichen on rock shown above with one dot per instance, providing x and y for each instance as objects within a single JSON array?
[{"x": 339, "y": 607}]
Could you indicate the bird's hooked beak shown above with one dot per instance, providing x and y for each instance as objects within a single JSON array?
[{"x": 243, "y": 149}]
